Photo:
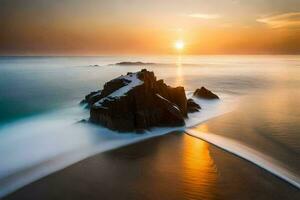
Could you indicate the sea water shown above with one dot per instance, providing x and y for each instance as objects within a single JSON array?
[{"x": 39, "y": 104}]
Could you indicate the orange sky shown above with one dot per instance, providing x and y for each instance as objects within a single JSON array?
[{"x": 91, "y": 27}]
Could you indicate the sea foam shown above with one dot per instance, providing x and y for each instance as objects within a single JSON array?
[{"x": 38, "y": 146}]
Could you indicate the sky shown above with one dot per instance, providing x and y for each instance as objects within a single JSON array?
[{"x": 114, "y": 27}]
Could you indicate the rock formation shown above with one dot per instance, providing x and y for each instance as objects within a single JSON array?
[
  {"x": 205, "y": 94},
  {"x": 139, "y": 101},
  {"x": 135, "y": 63},
  {"x": 192, "y": 106}
]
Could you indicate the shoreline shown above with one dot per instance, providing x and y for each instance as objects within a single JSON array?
[
  {"x": 263, "y": 164},
  {"x": 268, "y": 128},
  {"x": 153, "y": 156},
  {"x": 102, "y": 140},
  {"x": 37, "y": 172}
]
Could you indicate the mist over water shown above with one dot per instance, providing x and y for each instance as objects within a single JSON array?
[
  {"x": 38, "y": 84},
  {"x": 39, "y": 99}
]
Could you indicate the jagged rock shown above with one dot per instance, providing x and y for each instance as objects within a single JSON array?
[
  {"x": 91, "y": 98},
  {"x": 138, "y": 101},
  {"x": 205, "y": 93},
  {"x": 192, "y": 106}
]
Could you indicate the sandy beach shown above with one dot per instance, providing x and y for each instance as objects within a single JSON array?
[{"x": 174, "y": 166}]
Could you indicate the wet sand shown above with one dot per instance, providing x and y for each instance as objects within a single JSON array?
[{"x": 174, "y": 166}]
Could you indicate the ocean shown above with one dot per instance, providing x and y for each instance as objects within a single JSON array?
[{"x": 257, "y": 118}]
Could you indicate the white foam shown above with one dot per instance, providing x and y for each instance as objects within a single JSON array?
[
  {"x": 38, "y": 146},
  {"x": 250, "y": 154},
  {"x": 210, "y": 108}
]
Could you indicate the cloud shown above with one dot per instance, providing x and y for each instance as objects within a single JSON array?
[
  {"x": 285, "y": 20},
  {"x": 204, "y": 16}
]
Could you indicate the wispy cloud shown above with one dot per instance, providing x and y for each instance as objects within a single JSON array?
[
  {"x": 204, "y": 16},
  {"x": 285, "y": 20}
]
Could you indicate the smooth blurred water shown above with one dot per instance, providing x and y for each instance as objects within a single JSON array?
[
  {"x": 32, "y": 85},
  {"x": 40, "y": 95}
]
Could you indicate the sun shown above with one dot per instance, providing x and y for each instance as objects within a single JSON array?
[{"x": 179, "y": 45}]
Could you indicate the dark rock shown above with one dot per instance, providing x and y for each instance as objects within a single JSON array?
[
  {"x": 137, "y": 102},
  {"x": 192, "y": 106},
  {"x": 82, "y": 121},
  {"x": 134, "y": 63},
  {"x": 91, "y": 98},
  {"x": 83, "y": 102},
  {"x": 205, "y": 93}
]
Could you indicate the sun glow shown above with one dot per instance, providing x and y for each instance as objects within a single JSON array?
[{"x": 179, "y": 45}]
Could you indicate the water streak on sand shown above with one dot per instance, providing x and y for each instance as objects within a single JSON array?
[{"x": 247, "y": 153}]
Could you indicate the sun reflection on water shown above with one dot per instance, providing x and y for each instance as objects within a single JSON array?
[{"x": 179, "y": 74}]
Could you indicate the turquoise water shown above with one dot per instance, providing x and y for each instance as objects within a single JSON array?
[{"x": 39, "y": 99}]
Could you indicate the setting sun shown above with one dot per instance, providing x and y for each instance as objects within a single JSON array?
[{"x": 179, "y": 44}]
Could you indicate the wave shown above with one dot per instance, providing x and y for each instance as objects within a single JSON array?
[
  {"x": 248, "y": 153},
  {"x": 38, "y": 146},
  {"x": 211, "y": 108}
]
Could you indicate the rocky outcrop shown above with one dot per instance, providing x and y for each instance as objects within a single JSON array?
[
  {"x": 134, "y": 63},
  {"x": 139, "y": 101},
  {"x": 205, "y": 94},
  {"x": 192, "y": 106}
]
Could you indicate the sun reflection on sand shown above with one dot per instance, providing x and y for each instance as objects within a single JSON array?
[{"x": 199, "y": 170}]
